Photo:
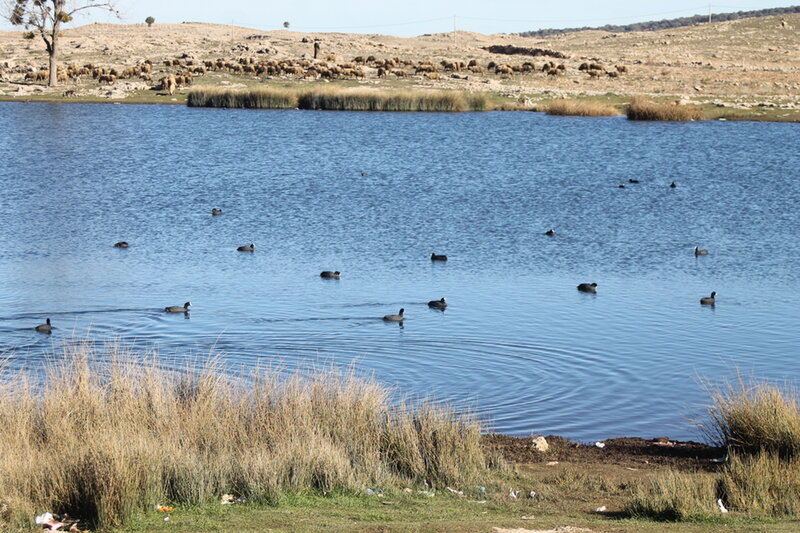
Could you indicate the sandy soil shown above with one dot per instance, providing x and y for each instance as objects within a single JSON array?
[{"x": 746, "y": 63}]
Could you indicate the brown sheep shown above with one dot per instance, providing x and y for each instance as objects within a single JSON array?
[
  {"x": 169, "y": 84},
  {"x": 477, "y": 69},
  {"x": 381, "y": 72},
  {"x": 433, "y": 75},
  {"x": 106, "y": 78},
  {"x": 399, "y": 73}
]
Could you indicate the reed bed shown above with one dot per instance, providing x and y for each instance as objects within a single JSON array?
[
  {"x": 336, "y": 99},
  {"x": 675, "y": 496},
  {"x": 106, "y": 445},
  {"x": 642, "y": 109},
  {"x": 581, "y": 108}
]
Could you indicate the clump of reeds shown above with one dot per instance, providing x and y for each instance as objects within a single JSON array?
[
  {"x": 336, "y": 99},
  {"x": 675, "y": 496},
  {"x": 581, "y": 108},
  {"x": 256, "y": 98},
  {"x": 756, "y": 417},
  {"x": 643, "y": 109},
  {"x": 104, "y": 442}
]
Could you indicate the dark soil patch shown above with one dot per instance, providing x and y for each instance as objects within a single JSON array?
[{"x": 628, "y": 451}]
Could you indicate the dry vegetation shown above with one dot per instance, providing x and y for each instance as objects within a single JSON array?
[
  {"x": 336, "y": 99},
  {"x": 581, "y": 108},
  {"x": 105, "y": 445},
  {"x": 642, "y": 109},
  {"x": 759, "y": 424}
]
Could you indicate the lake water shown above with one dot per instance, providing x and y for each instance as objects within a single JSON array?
[{"x": 518, "y": 344}]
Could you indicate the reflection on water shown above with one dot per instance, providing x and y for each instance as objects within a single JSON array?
[{"x": 518, "y": 344}]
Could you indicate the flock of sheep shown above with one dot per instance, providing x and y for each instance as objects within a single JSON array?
[{"x": 179, "y": 72}]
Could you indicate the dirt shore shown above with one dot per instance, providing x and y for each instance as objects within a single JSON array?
[{"x": 751, "y": 66}]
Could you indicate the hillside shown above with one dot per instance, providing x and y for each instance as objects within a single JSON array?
[{"x": 666, "y": 24}]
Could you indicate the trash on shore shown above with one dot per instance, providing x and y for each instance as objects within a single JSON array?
[
  {"x": 229, "y": 499},
  {"x": 601, "y": 509},
  {"x": 48, "y": 521},
  {"x": 527, "y": 518},
  {"x": 532, "y": 494},
  {"x": 600, "y": 444},
  {"x": 428, "y": 493},
  {"x": 720, "y": 459},
  {"x": 540, "y": 444},
  {"x": 513, "y": 494},
  {"x": 407, "y": 490},
  {"x": 164, "y": 508},
  {"x": 721, "y": 506},
  {"x": 454, "y": 491},
  {"x": 551, "y": 463},
  {"x": 374, "y": 492}
]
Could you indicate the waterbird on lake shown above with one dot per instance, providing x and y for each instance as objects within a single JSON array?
[
  {"x": 246, "y": 248},
  {"x": 215, "y": 211},
  {"x": 178, "y": 308},
  {"x": 395, "y": 318},
  {"x": 550, "y": 232},
  {"x": 621, "y": 186},
  {"x": 121, "y": 244},
  {"x": 438, "y": 304},
  {"x": 327, "y": 274},
  {"x": 700, "y": 251},
  {"x": 631, "y": 180},
  {"x": 438, "y": 257},
  {"x": 709, "y": 300},
  {"x": 672, "y": 185},
  {"x": 588, "y": 287},
  {"x": 363, "y": 173},
  {"x": 44, "y": 328}
]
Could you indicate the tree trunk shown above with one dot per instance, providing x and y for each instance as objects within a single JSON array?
[{"x": 53, "y": 65}]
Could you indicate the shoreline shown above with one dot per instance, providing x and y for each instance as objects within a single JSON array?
[{"x": 767, "y": 115}]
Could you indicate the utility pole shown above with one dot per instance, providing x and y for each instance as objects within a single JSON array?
[{"x": 709, "y": 13}]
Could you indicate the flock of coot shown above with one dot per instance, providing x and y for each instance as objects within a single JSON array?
[{"x": 440, "y": 304}]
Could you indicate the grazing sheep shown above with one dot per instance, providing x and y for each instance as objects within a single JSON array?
[
  {"x": 169, "y": 84},
  {"x": 433, "y": 75}
]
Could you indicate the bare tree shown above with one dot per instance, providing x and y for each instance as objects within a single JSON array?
[{"x": 45, "y": 17}]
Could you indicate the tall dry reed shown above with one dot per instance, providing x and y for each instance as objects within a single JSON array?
[
  {"x": 643, "y": 109},
  {"x": 104, "y": 442}
]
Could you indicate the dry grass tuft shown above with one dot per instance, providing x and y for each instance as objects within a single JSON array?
[
  {"x": 756, "y": 417},
  {"x": 581, "y": 108},
  {"x": 642, "y": 109},
  {"x": 106, "y": 444},
  {"x": 763, "y": 485},
  {"x": 675, "y": 496}
]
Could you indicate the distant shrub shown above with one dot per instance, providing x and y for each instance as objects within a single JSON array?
[{"x": 149, "y": 21}]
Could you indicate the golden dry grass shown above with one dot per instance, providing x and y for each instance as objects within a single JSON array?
[
  {"x": 105, "y": 442},
  {"x": 643, "y": 109},
  {"x": 581, "y": 108}
]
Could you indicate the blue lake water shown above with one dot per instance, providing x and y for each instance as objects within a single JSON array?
[{"x": 518, "y": 344}]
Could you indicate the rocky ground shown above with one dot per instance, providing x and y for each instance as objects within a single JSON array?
[{"x": 747, "y": 64}]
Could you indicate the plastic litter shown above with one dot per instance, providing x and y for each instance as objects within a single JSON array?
[
  {"x": 513, "y": 494},
  {"x": 552, "y": 463},
  {"x": 720, "y": 459},
  {"x": 407, "y": 490},
  {"x": 49, "y": 522},
  {"x": 527, "y": 518},
  {"x": 532, "y": 494},
  {"x": 369, "y": 492},
  {"x": 164, "y": 508},
  {"x": 428, "y": 493},
  {"x": 481, "y": 489},
  {"x": 721, "y": 506},
  {"x": 601, "y": 509},
  {"x": 600, "y": 444},
  {"x": 44, "y": 517},
  {"x": 454, "y": 491},
  {"x": 229, "y": 499}
]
